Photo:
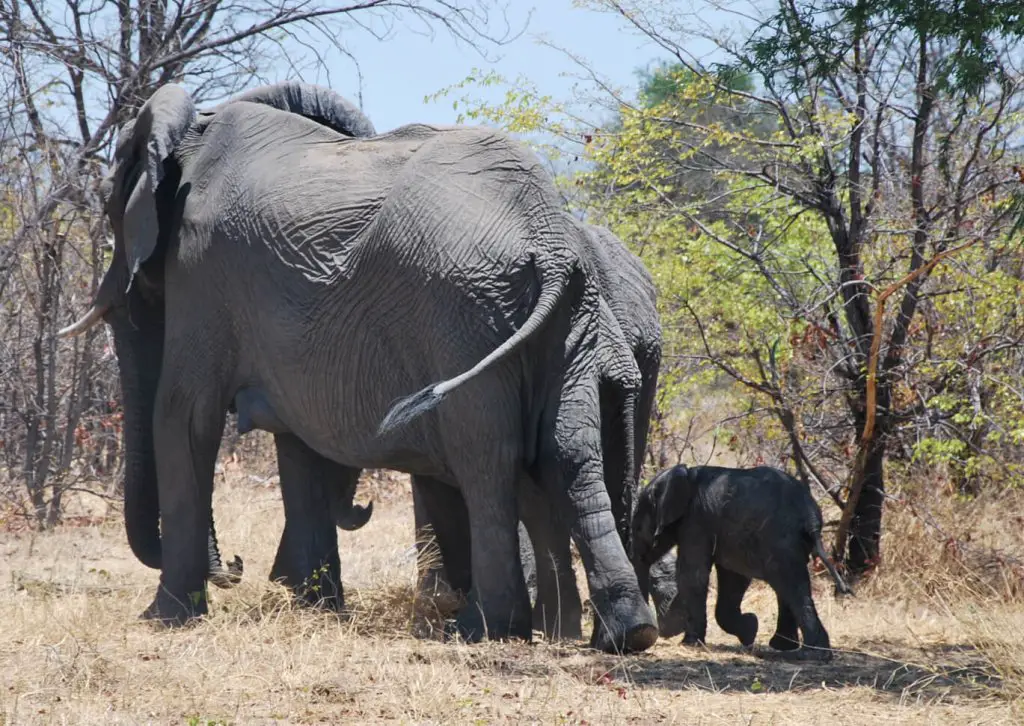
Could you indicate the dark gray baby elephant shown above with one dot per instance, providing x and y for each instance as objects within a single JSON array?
[{"x": 749, "y": 523}]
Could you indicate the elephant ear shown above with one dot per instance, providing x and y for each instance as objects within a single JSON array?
[
  {"x": 160, "y": 126},
  {"x": 674, "y": 494},
  {"x": 655, "y": 509}
]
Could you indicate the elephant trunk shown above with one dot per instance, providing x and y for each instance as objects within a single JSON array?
[
  {"x": 629, "y": 472},
  {"x": 346, "y": 513},
  {"x": 138, "y": 340}
]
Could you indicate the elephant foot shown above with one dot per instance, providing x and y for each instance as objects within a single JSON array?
[
  {"x": 623, "y": 625},
  {"x": 783, "y": 642},
  {"x": 313, "y": 598},
  {"x": 174, "y": 612},
  {"x": 319, "y": 589},
  {"x": 433, "y": 586},
  {"x": 693, "y": 640},
  {"x": 816, "y": 655},
  {"x": 808, "y": 655},
  {"x": 472, "y": 627},
  {"x": 670, "y": 624},
  {"x": 747, "y": 630}
]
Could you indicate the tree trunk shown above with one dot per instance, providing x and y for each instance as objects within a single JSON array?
[{"x": 862, "y": 549}]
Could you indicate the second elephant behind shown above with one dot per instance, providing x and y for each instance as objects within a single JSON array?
[{"x": 628, "y": 288}]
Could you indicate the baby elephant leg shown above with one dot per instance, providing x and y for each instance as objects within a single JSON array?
[
  {"x": 793, "y": 587},
  {"x": 693, "y": 570},
  {"x": 731, "y": 588},
  {"x": 786, "y": 636}
]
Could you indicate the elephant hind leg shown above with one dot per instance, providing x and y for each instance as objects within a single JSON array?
[
  {"x": 786, "y": 635},
  {"x": 444, "y": 563},
  {"x": 558, "y": 611},
  {"x": 307, "y": 557},
  {"x": 486, "y": 463},
  {"x": 793, "y": 586},
  {"x": 499, "y": 605},
  {"x": 728, "y": 613}
]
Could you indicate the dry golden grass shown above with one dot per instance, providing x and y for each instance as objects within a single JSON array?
[{"x": 72, "y": 651}]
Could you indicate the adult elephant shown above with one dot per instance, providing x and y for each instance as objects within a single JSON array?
[
  {"x": 441, "y": 515},
  {"x": 260, "y": 251},
  {"x": 307, "y": 556}
]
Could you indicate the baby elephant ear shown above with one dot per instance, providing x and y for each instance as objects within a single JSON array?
[{"x": 674, "y": 494}]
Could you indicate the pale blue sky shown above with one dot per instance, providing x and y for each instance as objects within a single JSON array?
[{"x": 398, "y": 73}]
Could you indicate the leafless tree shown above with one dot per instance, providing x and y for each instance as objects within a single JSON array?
[{"x": 73, "y": 71}]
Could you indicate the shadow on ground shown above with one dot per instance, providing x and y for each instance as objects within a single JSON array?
[
  {"x": 890, "y": 668},
  {"x": 945, "y": 670}
]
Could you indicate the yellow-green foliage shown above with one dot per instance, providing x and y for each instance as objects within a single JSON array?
[
  {"x": 757, "y": 268},
  {"x": 628, "y": 184}
]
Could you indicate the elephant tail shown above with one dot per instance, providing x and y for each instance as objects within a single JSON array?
[
  {"x": 405, "y": 410},
  {"x": 819, "y": 550}
]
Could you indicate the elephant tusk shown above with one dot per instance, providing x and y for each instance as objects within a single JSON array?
[{"x": 87, "y": 321}]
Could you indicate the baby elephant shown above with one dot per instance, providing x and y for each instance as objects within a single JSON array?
[{"x": 749, "y": 523}]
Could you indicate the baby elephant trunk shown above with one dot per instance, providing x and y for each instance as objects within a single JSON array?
[{"x": 347, "y": 515}]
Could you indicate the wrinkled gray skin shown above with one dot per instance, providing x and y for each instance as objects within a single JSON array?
[
  {"x": 257, "y": 250},
  {"x": 307, "y": 555},
  {"x": 629, "y": 290},
  {"x": 749, "y": 523}
]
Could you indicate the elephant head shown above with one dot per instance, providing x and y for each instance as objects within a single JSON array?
[
  {"x": 139, "y": 201},
  {"x": 661, "y": 506}
]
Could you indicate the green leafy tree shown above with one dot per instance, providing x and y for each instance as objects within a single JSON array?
[{"x": 826, "y": 215}]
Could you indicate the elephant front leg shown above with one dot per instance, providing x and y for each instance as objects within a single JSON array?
[
  {"x": 444, "y": 563},
  {"x": 693, "y": 570},
  {"x": 307, "y": 557},
  {"x": 728, "y": 613},
  {"x": 187, "y": 433}
]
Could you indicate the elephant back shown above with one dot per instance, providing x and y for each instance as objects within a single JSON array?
[{"x": 319, "y": 104}]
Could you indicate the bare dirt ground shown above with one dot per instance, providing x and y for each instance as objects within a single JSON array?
[{"x": 72, "y": 650}]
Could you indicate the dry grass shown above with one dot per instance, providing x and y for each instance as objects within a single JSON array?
[{"x": 72, "y": 651}]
